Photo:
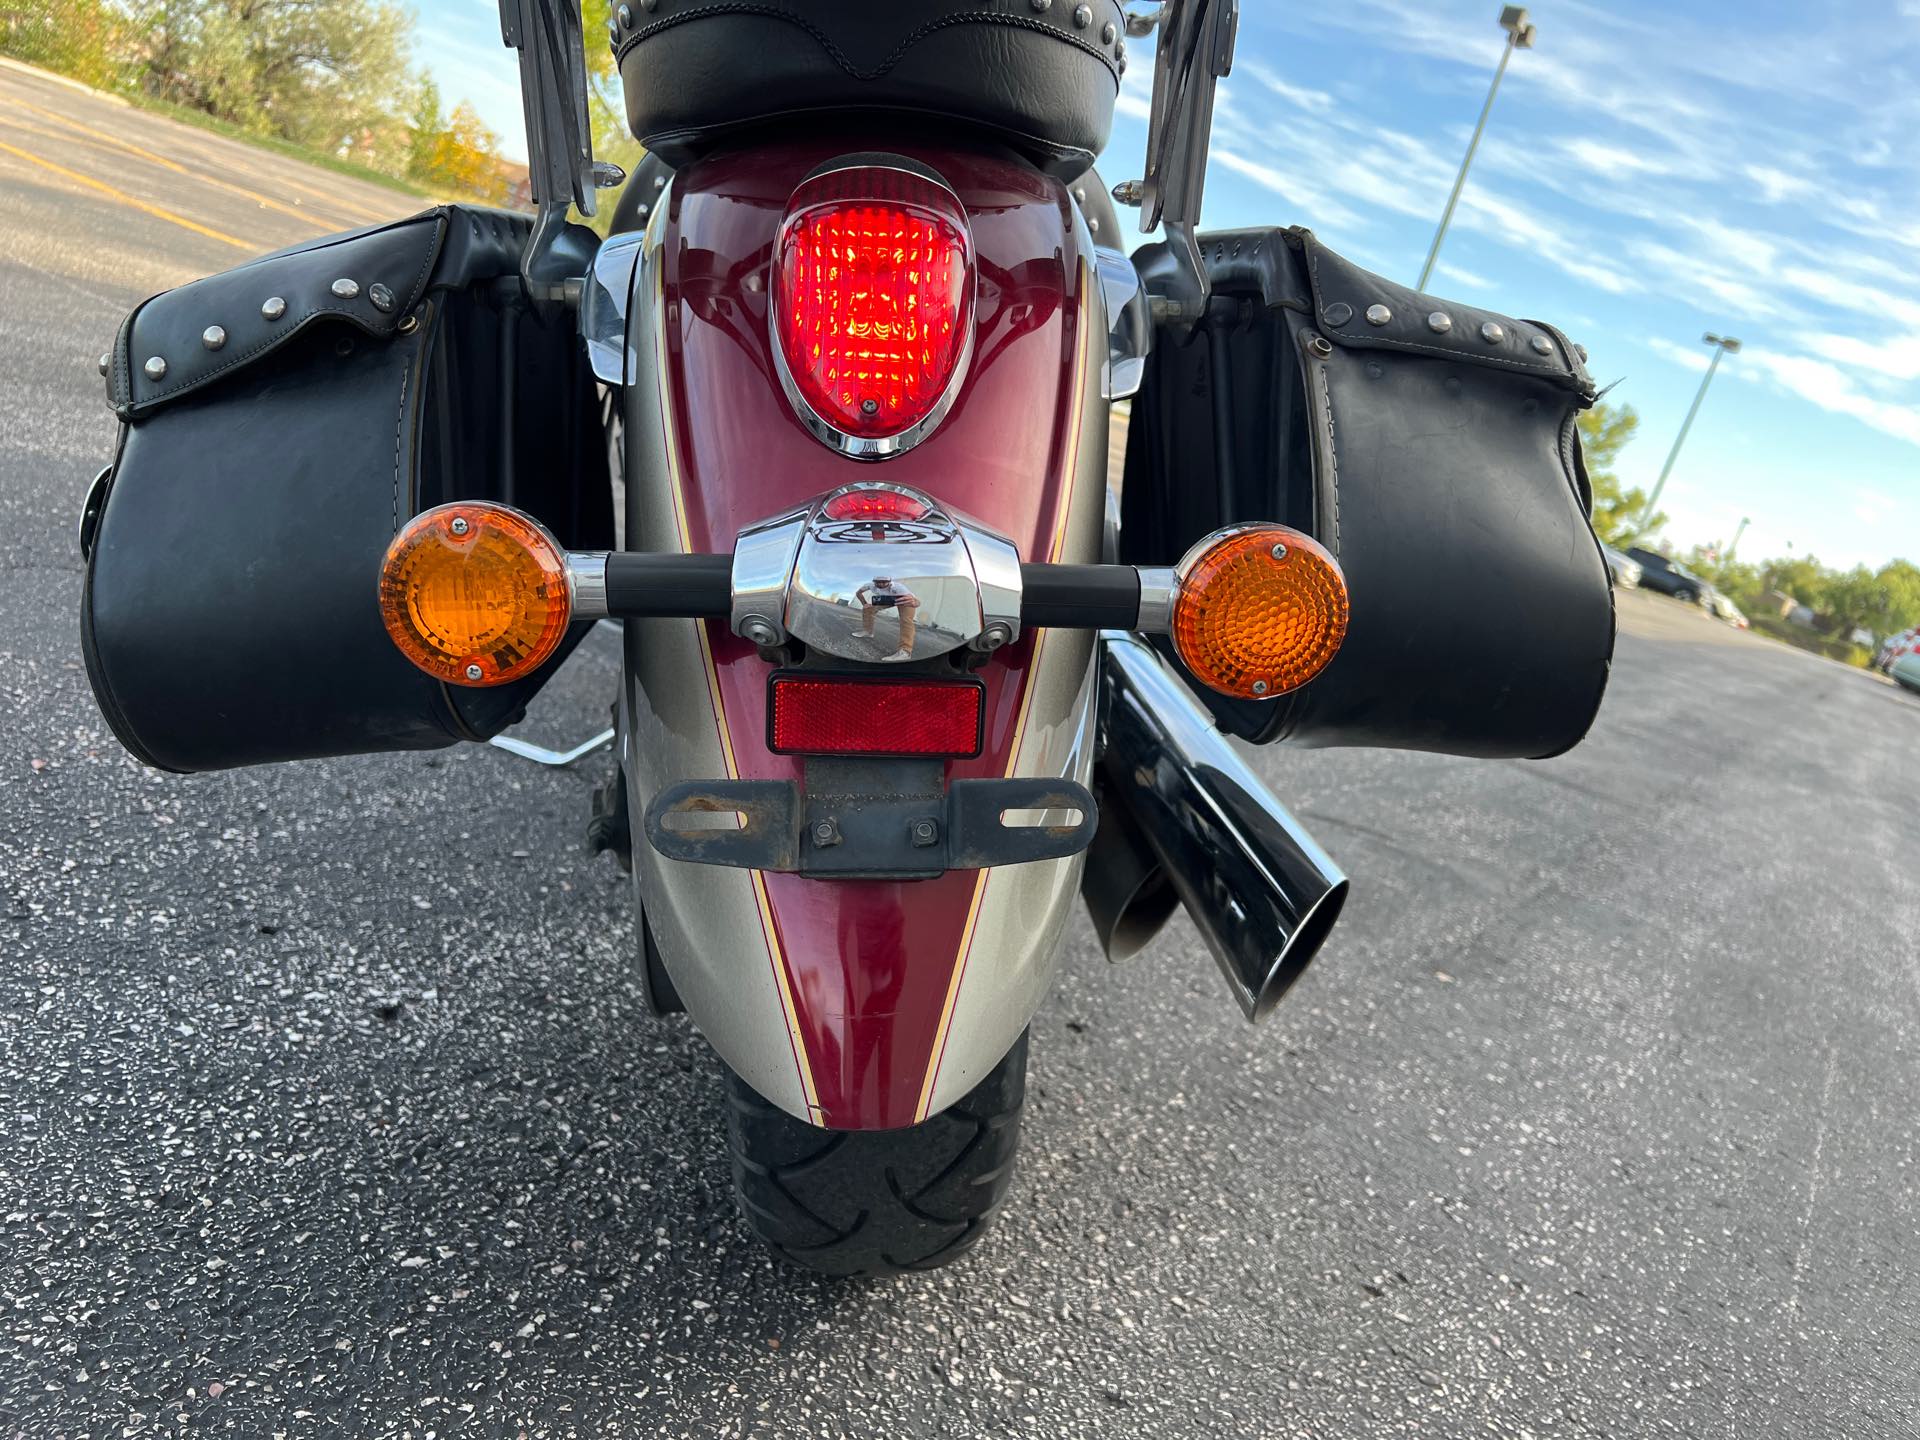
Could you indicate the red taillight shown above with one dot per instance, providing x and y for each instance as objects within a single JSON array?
[
  {"x": 875, "y": 502},
  {"x": 872, "y": 301},
  {"x": 852, "y": 715}
]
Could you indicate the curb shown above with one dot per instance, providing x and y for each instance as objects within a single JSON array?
[{"x": 7, "y": 62}]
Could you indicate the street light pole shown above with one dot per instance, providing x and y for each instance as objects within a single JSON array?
[
  {"x": 1513, "y": 19},
  {"x": 1745, "y": 520},
  {"x": 1722, "y": 345}
]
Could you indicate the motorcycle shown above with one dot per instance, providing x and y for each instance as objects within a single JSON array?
[{"x": 903, "y": 681}]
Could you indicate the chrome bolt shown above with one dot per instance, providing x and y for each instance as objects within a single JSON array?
[
  {"x": 1128, "y": 192},
  {"x": 1337, "y": 313},
  {"x": 1279, "y": 552},
  {"x": 1040, "y": 7},
  {"x": 381, "y": 297},
  {"x": 759, "y": 630},
  {"x": 1439, "y": 322},
  {"x": 1541, "y": 345},
  {"x": 826, "y": 833},
  {"x": 1082, "y": 16},
  {"x": 613, "y": 33},
  {"x": 1259, "y": 687},
  {"x": 650, "y": 5},
  {"x": 273, "y": 308},
  {"x": 106, "y": 362},
  {"x": 1581, "y": 351},
  {"x": 993, "y": 637},
  {"x": 923, "y": 833},
  {"x": 344, "y": 288},
  {"x": 869, "y": 406},
  {"x": 213, "y": 337},
  {"x": 408, "y": 324},
  {"x": 626, "y": 16},
  {"x": 155, "y": 368},
  {"x": 1108, "y": 34},
  {"x": 1378, "y": 314},
  {"x": 1319, "y": 345},
  {"x": 459, "y": 525},
  {"x": 1493, "y": 332},
  {"x": 643, "y": 210},
  {"x": 1093, "y": 225},
  {"x": 659, "y": 182},
  {"x": 474, "y": 672}
]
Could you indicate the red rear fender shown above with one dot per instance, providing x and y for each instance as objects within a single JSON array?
[{"x": 869, "y": 972}]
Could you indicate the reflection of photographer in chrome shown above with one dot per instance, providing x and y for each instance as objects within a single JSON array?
[{"x": 887, "y": 594}]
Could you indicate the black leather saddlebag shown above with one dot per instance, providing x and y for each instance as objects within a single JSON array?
[
  {"x": 281, "y": 421},
  {"x": 1431, "y": 447},
  {"x": 1044, "y": 77}
]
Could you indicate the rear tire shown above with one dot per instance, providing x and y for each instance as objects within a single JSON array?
[{"x": 877, "y": 1202}]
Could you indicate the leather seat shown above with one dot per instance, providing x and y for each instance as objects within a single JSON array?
[{"x": 1042, "y": 75}]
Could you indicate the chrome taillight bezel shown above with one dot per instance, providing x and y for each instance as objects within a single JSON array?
[{"x": 822, "y": 427}]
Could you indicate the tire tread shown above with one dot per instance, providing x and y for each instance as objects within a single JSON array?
[{"x": 877, "y": 1202}]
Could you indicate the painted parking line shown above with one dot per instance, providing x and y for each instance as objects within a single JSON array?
[
  {"x": 131, "y": 201},
  {"x": 127, "y": 147}
]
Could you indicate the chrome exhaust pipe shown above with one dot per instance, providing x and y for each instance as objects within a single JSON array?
[{"x": 1262, "y": 893}]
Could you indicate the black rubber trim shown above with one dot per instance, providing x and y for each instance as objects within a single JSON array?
[
  {"x": 1083, "y": 597},
  {"x": 642, "y": 585}
]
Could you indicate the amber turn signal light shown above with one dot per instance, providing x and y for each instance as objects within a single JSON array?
[
  {"x": 1260, "y": 611},
  {"x": 475, "y": 594}
]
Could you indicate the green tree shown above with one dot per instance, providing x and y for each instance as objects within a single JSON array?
[
  {"x": 329, "y": 73},
  {"x": 1736, "y": 579},
  {"x": 86, "y": 39},
  {"x": 1901, "y": 581},
  {"x": 1855, "y": 599},
  {"x": 1802, "y": 577},
  {"x": 1604, "y": 432},
  {"x": 425, "y": 125},
  {"x": 464, "y": 156}
]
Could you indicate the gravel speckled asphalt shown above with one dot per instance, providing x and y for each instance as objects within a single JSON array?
[{"x": 331, "y": 1106}]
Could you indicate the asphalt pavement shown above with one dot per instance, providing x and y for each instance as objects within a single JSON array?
[{"x": 329, "y": 1104}]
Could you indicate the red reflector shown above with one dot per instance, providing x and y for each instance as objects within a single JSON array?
[
  {"x": 856, "y": 716},
  {"x": 873, "y": 298},
  {"x": 875, "y": 502}
]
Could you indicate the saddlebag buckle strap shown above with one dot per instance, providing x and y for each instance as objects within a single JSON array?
[{"x": 871, "y": 820}]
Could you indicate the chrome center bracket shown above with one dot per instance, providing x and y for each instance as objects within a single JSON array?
[{"x": 878, "y": 574}]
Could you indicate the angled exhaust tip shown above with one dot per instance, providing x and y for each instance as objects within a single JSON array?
[{"x": 1261, "y": 891}]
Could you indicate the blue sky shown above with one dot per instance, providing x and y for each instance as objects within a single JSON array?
[{"x": 1650, "y": 172}]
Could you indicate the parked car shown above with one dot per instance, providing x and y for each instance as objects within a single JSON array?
[
  {"x": 1907, "y": 642},
  {"x": 1669, "y": 577},
  {"x": 1724, "y": 609},
  {"x": 1626, "y": 571},
  {"x": 1905, "y": 671}
]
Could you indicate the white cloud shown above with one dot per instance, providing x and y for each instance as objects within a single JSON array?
[
  {"x": 1612, "y": 160},
  {"x": 1287, "y": 184},
  {"x": 1317, "y": 102},
  {"x": 1460, "y": 275},
  {"x": 1874, "y": 507},
  {"x": 1703, "y": 282},
  {"x": 1828, "y": 386},
  {"x": 1890, "y": 361},
  {"x": 1695, "y": 360},
  {"x": 1777, "y": 185}
]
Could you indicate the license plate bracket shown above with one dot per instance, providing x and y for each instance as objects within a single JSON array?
[{"x": 871, "y": 820}]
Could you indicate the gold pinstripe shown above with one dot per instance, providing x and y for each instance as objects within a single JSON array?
[
  {"x": 1071, "y": 474},
  {"x": 767, "y": 929}
]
